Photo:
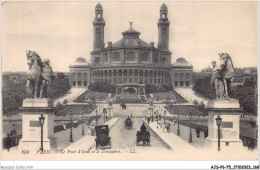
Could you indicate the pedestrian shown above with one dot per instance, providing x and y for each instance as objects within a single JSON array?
[
  {"x": 64, "y": 126},
  {"x": 169, "y": 128},
  {"x": 8, "y": 141},
  {"x": 198, "y": 131},
  {"x": 148, "y": 120},
  {"x": 205, "y": 133}
]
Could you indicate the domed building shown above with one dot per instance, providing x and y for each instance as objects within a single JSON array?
[
  {"x": 80, "y": 72},
  {"x": 182, "y": 73},
  {"x": 129, "y": 62}
]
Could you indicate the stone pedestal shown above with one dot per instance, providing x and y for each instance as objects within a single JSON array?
[
  {"x": 229, "y": 110},
  {"x": 31, "y": 137}
]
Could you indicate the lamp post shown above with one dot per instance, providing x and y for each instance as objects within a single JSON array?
[
  {"x": 178, "y": 130},
  {"x": 152, "y": 114},
  {"x": 71, "y": 137},
  {"x": 190, "y": 138},
  {"x": 104, "y": 111},
  {"x": 157, "y": 118},
  {"x": 96, "y": 117},
  {"x": 218, "y": 120},
  {"x": 41, "y": 120},
  {"x": 83, "y": 121},
  {"x": 164, "y": 115}
]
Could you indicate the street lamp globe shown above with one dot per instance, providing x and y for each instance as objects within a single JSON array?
[
  {"x": 218, "y": 120},
  {"x": 41, "y": 120},
  {"x": 190, "y": 115}
]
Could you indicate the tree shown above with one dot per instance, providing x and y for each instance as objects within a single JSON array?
[
  {"x": 60, "y": 75},
  {"x": 150, "y": 88},
  {"x": 13, "y": 95},
  {"x": 204, "y": 88},
  {"x": 202, "y": 105},
  {"x": 58, "y": 88},
  {"x": 102, "y": 87},
  {"x": 195, "y": 102}
]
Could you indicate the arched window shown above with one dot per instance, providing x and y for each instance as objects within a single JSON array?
[
  {"x": 116, "y": 56},
  {"x": 163, "y": 15},
  {"x": 130, "y": 56},
  {"x": 98, "y": 15},
  {"x": 181, "y": 76},
  {"x": 119, "y": 72},
  {"x": 176, "y": 76},
  {"x": 187, "y": 76},
  {"x": 79, "y": 77},
  {"x": 85, "y": 79},
  {"x": 131, "y": 72},
  {"x": 144, "y": 57}
]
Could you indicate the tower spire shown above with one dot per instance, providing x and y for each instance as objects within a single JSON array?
[
  {"x": 98, "y": 26},
  {"x": 163, "y": 28}
]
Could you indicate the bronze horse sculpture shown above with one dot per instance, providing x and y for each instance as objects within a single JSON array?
[
  {"x": 38, "y": 76},
  {"x": 223, "y": 76}
]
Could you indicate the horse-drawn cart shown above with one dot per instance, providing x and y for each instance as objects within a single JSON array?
[
  {"x": 144, "y": 137},
  {"x": 102, "y": 136},
  {"x": 128, "y": 124}
]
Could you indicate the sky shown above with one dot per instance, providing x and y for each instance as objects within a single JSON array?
[{"x": 63, "y": 31}]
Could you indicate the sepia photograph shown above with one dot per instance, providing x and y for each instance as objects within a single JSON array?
[{"x": 130, "y": 81}]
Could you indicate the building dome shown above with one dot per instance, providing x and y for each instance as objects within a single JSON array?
[
  {"x": 163, "y": 7},
  {"x": 80, "y": 62},
  {"x": 130, "y": 39},
  {"x": 99, "y": 7},
  {"x": 181, "y": 62}
]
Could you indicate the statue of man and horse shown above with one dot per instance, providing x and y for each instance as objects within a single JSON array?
[
  {"x": 39, "y": 75},
  {"x": 223, "y": 76}
]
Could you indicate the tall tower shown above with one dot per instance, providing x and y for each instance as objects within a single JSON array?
[
  {"x": 98, "y": 32},
  {"x": 163, "y": 29}
]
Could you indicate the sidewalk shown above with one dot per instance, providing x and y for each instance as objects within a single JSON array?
[
  {"x": 176, "y": 143},
  {"x": 87, "y": 142},
  {"x": 185, "y": 132}
]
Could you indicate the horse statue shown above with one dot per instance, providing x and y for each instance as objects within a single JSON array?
[
  {"x": 38, "y": 76},
  {"x": 223, "y": 76}
]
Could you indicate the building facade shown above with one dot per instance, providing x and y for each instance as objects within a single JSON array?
[
  {"x": 182, "y": 73},
  {"x": 130, "y": 60}
]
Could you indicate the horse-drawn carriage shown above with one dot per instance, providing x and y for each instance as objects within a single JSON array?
[
  {"x": 144, "y": 137},
  {"x": 128, "y": 124},
  {"x": 102, "y": 136}
]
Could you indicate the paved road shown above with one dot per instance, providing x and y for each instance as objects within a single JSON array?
[{"x": 126, "y": 139}]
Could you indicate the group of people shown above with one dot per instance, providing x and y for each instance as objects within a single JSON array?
[
  {"x": 166, "y": 125},
  {"x": 199, "y": 129}
]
